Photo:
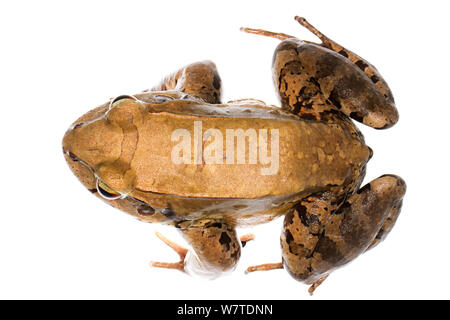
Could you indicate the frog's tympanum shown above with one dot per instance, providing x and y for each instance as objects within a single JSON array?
[{"x": 175, "y": 154}]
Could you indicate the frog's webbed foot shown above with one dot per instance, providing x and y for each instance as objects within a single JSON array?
[
  {"x": 181, "y": 251},
  {"x": 261, "y": 32},
  {"x": 199, "y": 79}
]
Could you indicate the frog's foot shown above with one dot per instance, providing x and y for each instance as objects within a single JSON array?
[
  {"x": 246, "y": 238},
  {"x": 261, "y": 32},
  {"x": 265, "y": 267},
  {"x": 316, "y": 284},
  {"x": 325, "y": 40},
  {"x": 182, "y": 252}
]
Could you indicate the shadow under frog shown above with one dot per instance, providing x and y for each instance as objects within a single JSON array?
[{"x": 121, "y": 151}]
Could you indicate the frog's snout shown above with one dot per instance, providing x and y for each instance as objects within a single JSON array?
[
  {"x": 98, "y": 146},
  {"x": 94, "y": 143}
]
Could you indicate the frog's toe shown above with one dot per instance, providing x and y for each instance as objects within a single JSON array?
[
  {"x": 181, "y": 251},
  {"x": 246, "y": 238},
  {"x": 314, "y": 286},
  {"x": 265, "y": 267},
  {"x": 168, "y": 265}
]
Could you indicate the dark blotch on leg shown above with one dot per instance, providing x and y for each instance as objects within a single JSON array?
[
  {"x": 308, "y": 116},
  {"x": 288, "y": 236},
  {"x": 288, "y": 218},
  {"x": 225, "y": 240},
  {"x": 301, "y": 212},
  {"x": 297, "y": 107},
  {"x": 314, "y": 81},
  {"x": 216, "y": 225},
  {"x": 374, "y": 79},
  {"x": 333, "y": 99},
  {"x": 343, "y": 207},
  {"x": 343, "y": 53},
  {"x": 356, "y": 116},
  {"x": 361, "y": 64},
  {"x": 329, "y": 250}
]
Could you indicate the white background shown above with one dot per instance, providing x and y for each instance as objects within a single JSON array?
[{"x": 59, "y": 59}]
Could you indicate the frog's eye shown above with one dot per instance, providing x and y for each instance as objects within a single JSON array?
[
  {"x": 113, "y": 101},
  {"x": 106, "y": 192}
]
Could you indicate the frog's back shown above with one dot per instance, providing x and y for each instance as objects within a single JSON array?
[
  {"x": 184, "y": 159},
  {"x": 244, "y": 151}
]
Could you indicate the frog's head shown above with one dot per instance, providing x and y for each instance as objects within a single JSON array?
[{"x": 100, "y": 145}]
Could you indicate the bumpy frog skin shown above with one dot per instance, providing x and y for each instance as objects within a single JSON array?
[{"x": 121, "y": 152}]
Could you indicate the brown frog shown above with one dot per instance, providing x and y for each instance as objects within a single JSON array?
[{"x": 175, "y": 154}]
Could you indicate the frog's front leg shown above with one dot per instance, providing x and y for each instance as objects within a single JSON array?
[
  {"x": 216, "y": 249},
  {"x": 199, "y": 79}
]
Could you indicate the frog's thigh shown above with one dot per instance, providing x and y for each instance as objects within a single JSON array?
[
  {"x": 302, "y": 229},
  {"x": 199, "y": 79},
  {"x": 216, "y": 248},
  {"x": 348, "y": 232},
  {"x": 313, "y": 80},
  {"x": 359, "y": 221}
]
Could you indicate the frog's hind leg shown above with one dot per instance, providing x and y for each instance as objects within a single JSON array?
[
  {"x": 375, "y": 110},
  {"x": 199, "y": 79},
  {"x": 348, "y": 231},
  {"x": 317, "y": 237},
  {"x": 216, "y": 249},
  {"x": 302, "y": 228},
  {"x": 366, "y": 218},
  {"x": 316, "y": 81},
  {"x": 364, "y": 65}
]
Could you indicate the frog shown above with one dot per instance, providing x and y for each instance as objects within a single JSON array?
[{"x": 124, "y": 152}]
